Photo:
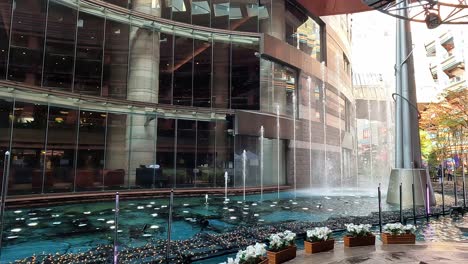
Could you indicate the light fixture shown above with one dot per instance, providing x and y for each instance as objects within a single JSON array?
[{"x": 433, "y": 20}]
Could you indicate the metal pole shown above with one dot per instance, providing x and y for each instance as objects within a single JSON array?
[
  {"x": 401, "y": 204},
  {"x": 169, "y": 227},
  {"x": 116, "y": 229},
  {"x": 380, "y": 209},
  {"x": 427, "y": 203},
  {"x": 443, "y": 191},
  {"x": 455, "y": 187},
  {"x": 414, "y": 204},
  {"x": 4, "y": 190}
]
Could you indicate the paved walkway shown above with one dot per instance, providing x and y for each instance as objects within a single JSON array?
[{"x": 421, "y": 253}]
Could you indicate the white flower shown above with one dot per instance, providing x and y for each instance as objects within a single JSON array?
[
  {"x": 260, "y": 249},
  {"x": 358, "y": 230},
  {"x": 318, "y": 233}
]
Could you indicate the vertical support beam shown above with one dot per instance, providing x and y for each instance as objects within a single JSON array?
[{"x": 408, "y": 147}]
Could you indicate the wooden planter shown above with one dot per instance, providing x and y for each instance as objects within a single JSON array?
[
  {"x": 281, "y": 256},
  {"x": 398, "y": 239},
  {"x": 359, "y": 241},
  {"x": 316, "y": 247}
]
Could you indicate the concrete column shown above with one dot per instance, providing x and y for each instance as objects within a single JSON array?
[{"x": 143, "y": 86}]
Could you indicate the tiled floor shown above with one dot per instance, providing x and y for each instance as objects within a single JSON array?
[{"x": 453, "y": 253}]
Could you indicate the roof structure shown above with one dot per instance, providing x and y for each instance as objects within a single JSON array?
[{"x": 333, "y": 7}]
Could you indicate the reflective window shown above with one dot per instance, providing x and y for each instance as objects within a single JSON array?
[
  {"x": 166, "y": 42},
  {"x": 206, "y": 140},
  {"x": 243, "y": 15},
  {"x": 183, "y": 66},
  {"x": 91, "y": 147},
  {"x": 202, "y": 73},
  {"x": 302, "y": 31},
  {"x": 27, "y": 41},
  {"x": 6, "y": 111},
  {"x": 5, "y": 18},
  {"x": 245, "y": 82},
  {"x": 165, "y": 150},
  {"x": 61, "y": 149},
  {"x": 201, "y": 12},
  {"x": 181, "y": 11},
  {"x": 115, "y": 169},
  {"x": 224, "y": 152},
  {"x": 28, "y": 148},
  {"x": 122, "y": 3},
  {"x": 114, "y": 79},
  {"x": 186, "y": 175},
  {"x": 220, "y": 14},
  {"x": 60, "y": 47},
  {"x": 221, "y": 71},
  {"x": 89, "y": 49}
]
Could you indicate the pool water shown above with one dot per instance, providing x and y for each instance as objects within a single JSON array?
[{"x": 81, "y": 227}]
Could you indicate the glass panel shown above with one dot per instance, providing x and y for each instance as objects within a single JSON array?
[
  {"x": 264, "y": 16},
  {"x": 221, "y": 63},
  {"x": 224, "y": 150},
  {"x": 116, "y": 165},
  {"x": 166, "y": 10},
  {"x": 91, "y": 145},
  {"x": 165, "y": 150},
  {"x": 27, "y": 42},
  {"x": 186, "y": 149},
  {"x": 181, "y": 11},
  {"x": 183, "y": 66},
  {"x": 114, "y": 80},
  {"x": 202, "y": 73},
  {"x": 252, "y": 163},
  {"x": 220, "y": 14},
  {"x": 243, "y": 15},
  {"x": 302, "y": 31},
  {"x": 88, "y": 68},
  {"x": 205, "y": 154},
  {"x": 6, "y": 110},
  {"x": 143, "y": 168},
  {"x": 61, "y": 149},
  {"x": 122, "y": 3},
  {"x": 60, "y": 47},
  {"x": 166, "y": 43},
  {"x": 245, "y": 81},
  {"x": 201, "y": 12},
  {"x": 27, "y": 149},
  {"x": 5, "y": 18}
]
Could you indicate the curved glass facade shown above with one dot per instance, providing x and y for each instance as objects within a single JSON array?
[{"x": 104, "y": 95}]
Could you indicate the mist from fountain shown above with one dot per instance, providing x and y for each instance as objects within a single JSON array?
[
  {"x": 262, "y": 135},
  {"x": 244, "y": 167},
  {"x": 324, "y": 113},
  {"x": 278, "y": 145},
  {"x": 309, "y": 89},
  {"x": 294, "y": 145}
]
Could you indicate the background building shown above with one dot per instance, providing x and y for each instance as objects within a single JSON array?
[{"x": 99, "y": 95}]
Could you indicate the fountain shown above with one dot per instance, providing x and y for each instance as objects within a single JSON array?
[
  {"x": 324, "y": 113},
  {"x": 244, "y": 165},
  {"x": 225, "y": 186},
  {"x": 262, "y": 132},
  {"x": 310, "y": 130},
  {"x": 294, "y": 146},
  {"x": 278, "y": 144},
  {"x": 206, "y": 199}
]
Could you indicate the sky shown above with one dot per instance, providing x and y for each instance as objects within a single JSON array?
[{"x": 373, "y": 51}]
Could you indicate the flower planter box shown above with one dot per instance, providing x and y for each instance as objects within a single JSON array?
[
  {"x": 316, "y": 247},
  {"x": 281, "y": 256},
  {"x": 359, "y": 241},
  {"x": 398, "y": 239}
]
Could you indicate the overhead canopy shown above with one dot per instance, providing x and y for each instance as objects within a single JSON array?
[{"x": 333, "y": 7}]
